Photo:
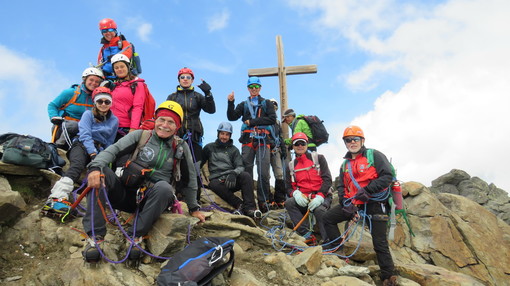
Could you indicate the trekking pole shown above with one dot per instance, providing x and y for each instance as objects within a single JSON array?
[
  {"x": 76, "y": 203},
  {"x": 300, "y": 222}
]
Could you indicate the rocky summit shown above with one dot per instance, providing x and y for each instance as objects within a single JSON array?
[{"x": 460, "y": 236}]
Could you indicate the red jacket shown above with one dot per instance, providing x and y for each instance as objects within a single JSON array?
[
  {"x": 373, "y": 178},
  {"x": 309, "y": 181}
]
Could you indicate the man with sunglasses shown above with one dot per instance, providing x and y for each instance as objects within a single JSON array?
[
  {"x": 258, "y": 116},
  {"x": 193, "y": 103},
  {"x": 308, "y": 181},
  {"x": 113, "y": 43},
  {"x": 359, "y": 181}
]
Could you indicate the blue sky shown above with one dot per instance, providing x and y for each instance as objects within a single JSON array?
[{"x": 426, "y": 80}]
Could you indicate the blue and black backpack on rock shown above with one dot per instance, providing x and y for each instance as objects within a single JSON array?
[{"x": 199, "y": 262}]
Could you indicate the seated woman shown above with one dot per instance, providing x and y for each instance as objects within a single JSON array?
[{"x": 97, "y": 130}]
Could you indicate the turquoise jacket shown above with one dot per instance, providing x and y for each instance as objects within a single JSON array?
[{"x": 74, "y": 110}]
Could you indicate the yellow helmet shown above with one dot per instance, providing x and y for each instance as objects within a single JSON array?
[{"x": 172, "y": 106}]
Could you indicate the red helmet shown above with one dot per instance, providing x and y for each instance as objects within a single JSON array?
[
  {"x": 185, "y": 70},
  {"x": 99, "y": 90},
  {"x": 107, "y": 23},
  {"x": 299, "y": 136},
  {"x": 353, "y": 130}
]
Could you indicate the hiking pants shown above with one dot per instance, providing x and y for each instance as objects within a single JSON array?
[
  {"x": 262, "y": 155},
  {"x": 378, "y": 231},
  {"x": 156, "y": 200},
  {"x": 244, "y": 183},
  {"x": 279, "y": 184},
  {"x": 296, "y": 213},
  {"x": 78, "y": 159}
]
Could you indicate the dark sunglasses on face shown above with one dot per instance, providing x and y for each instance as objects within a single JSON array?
[
  {"x": 254, "y": 86},
  {"x": 349, "y": 140},
  {"x": 300, "y": 143},
  {"x": 101, "y": 102},
  {"x": 185, "y": 77},
  {"x": 107, "y": 30}
]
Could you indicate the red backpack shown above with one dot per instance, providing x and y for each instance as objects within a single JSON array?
[{"x": 149, "y": 105}]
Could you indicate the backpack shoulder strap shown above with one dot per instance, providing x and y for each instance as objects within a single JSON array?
[
  {"x": 146, "y": 134},
  {"x": 315, "y": 159},
  {"x": 370, "y": 157},
  {"x": 77, "y": 92}
]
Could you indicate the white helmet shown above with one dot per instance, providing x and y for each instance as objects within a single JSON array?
[
  {"x": 92, "y": 71},
  {"x": 120, "y": 58},
  {"x": 275, "y": 103}
]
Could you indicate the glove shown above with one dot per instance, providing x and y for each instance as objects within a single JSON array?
[
  {"x": 349, "y": 210},
  {"x": 230, "y": 181},
  {"x": 57, "y": 120},
  {"x": 301, "y": 200},
  {"x": 205, "y": 87},
  {"x": 316, "y": 202},
  {"x": 362, "y": 195}
]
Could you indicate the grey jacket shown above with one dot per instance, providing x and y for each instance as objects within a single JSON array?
[
  {"x": 222, "y": 159},
  {"x": 157, "y": 154}
]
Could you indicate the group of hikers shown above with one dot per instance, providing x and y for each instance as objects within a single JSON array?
[{"x": 144, "y": 166}]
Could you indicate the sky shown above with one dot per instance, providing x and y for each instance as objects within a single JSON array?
[{"x": 426, "y": 80}]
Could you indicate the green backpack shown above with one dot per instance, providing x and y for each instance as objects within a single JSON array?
[{"x": 29, "y": 151}]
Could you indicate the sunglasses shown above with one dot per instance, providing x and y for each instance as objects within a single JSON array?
[
  {"x": 185, "y": 77},
  {"x": 300, "y": 143},
  {"x": 252, "y": 86},
  {"x": 101, "y": 102},
  {"x": 349, "y": 140},
  {"x": 107, "y": 30}
]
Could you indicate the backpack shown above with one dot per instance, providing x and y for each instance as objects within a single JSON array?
[
  {"x": 319, "y": 133},
  {"x": 395, "y": 199},
  {"x": 198, "y": 263},
  {"x": 149, "y": 104},
  {"x": 135, "y": 62},
  {"x": 30, "y": 151}
]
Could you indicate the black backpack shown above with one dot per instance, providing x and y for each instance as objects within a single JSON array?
[
  {"x": 319, "y": 133},
  {"x": 198, "y": 263},
  {"x": 30, "y": 151}
]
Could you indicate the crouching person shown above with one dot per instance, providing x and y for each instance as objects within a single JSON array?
[
  {"x": 227, "y": 174},
  {"x": 308, "y": 182},
  {"x": 97, "y": 131},
  {"x": 158, "y": 158}
]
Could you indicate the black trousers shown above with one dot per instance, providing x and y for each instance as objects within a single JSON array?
[
  {"x": 243, "y": 183},
  {"x": 78, "y": 159},
  {"x": 336, "y": 215}
]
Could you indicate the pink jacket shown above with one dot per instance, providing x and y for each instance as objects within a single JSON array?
[{"x": 126, "y": 105}]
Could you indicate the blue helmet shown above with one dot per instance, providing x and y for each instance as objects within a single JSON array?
[
  {"x": 225, "y": 126},
  {"x": 253, "y": 80}
]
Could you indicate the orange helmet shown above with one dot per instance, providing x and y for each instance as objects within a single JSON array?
[
  {"x": 107, "y": 23},
  {"x": 185, "y": 70},
  {"x": 353, "y": 131},
  {"x": 299, "y": 136}
]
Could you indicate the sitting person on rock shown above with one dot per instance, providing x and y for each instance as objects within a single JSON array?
[
  {"x": 227, "y": 174},
  {"x": 308, "y": 182},
  {"x": 97, "y": 131},
  {"x": 359, "y": 181},
  {"x": 158, "y": 159}
]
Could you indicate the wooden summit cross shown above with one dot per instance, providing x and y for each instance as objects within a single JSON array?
[{"x": 282, "y": 71}]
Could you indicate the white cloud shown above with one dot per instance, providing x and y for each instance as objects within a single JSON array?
[
  {"x": 218, "y": 21},
  {"x": 28, "y": 85},
  {"x": 453, "y": 110},
  {"x": 143, "y": 28}
]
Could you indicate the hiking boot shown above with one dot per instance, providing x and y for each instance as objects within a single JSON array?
[
  {"x": 391, "y": 281},
  {"x": 254, "y": 213},
  {"x": 135, "y": 253},
  {"x": 59, "y": 206},
  {"x": 263, "y": 206},
  {"x": 91, "y": 252}
]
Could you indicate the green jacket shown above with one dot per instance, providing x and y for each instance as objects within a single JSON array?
[{"x": 300, "y": 125}]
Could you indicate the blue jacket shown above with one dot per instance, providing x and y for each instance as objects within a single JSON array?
[
  {"x": 75, "y": 110},
  {"x": 96, "y": 135}
]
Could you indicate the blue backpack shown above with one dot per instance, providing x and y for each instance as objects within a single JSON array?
[{"x": 198, "y": 263}]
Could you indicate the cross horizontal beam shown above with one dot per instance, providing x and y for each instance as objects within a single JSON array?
[{"x": 288, "y": 70}]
